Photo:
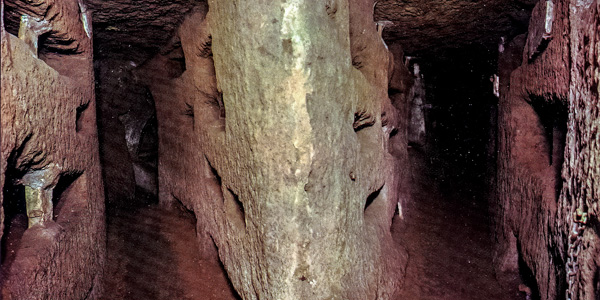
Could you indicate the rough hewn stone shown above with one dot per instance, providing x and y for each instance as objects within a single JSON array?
[
  {"x": 283, "y": 128},
  {"x": 581, "y": 170},
  {"x": 548, "y": 133},
  {"x": 263, "y": 146},
  {"x": 133, "y": 30},
  {"x": 48, "y": 126},
  {"x": 430, "y": 27}
]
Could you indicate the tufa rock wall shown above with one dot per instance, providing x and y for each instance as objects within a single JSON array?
[
  {"x": 548, "y": 135},
  {"x": 280, "y": 136},
  {"x": 53, "y": 240}
]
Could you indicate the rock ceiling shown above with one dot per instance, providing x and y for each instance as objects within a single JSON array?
[
  {"x": 134, "y": 30},
  {"x": 427, "y": 26}
]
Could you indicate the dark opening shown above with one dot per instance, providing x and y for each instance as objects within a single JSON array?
[
  {"x": 15, "y": 213},
  {"x": 11, "y": 18},
  {"x": 216, "y": 102},
  {"x": 148, "y": 147},
  {"x": 184, "y": 210},
  {"x": 393, "y": 92},
  {"x": 214, "y": 172},
  {"x": 233, "y": 291},
  {"x": 597, "y": 283},
  {"x": 553, "y": 115},
  {"x": 174, "y": 53},
  {"x": 357, "y": 63},
  {"x": 461, "y": 114},
  {"x": 63, "y": 191},
  {"x": 362, "y": 120},
  {"x": 189, "y": 110},
  {"x": 527, "y": 277},
  {"x": 234, "y": 208},
  {"x": 206, "y": 47},
  {"x": 49, "y": 44},
  {"x": 14, "y": 205},
  {"x": 177, "y": 56},
  {"x": 78, "y": 115},
  {"x": 371, "y": 198},
  {"x": 146, "y": 190}
]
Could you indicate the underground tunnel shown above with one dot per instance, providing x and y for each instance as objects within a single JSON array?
[{"x": 299, "y": 149}]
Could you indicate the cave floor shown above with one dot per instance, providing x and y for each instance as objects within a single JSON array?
[
  {"x": 152, "y": 253},
  {"x": 447, "y": 236}
]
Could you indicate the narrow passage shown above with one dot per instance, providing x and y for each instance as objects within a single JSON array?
[{"x": 447, "y": 236}]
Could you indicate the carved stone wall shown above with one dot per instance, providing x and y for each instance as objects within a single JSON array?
[
  {"x": 548, "y": 117},
  {"x": 53, "y": 240},
  {"x": 280, "y": 136}
]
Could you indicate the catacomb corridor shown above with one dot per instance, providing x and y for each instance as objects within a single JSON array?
[{"x": 300, "y": 149}]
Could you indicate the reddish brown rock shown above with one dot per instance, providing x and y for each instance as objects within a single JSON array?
[
  {"x": 283, "y": 128},
  {"x": 548, "y": 116},
  {"x": 273, "y": 162},
  {"x": 50, "y": 156},
  {"x": 430, "y": 27}
]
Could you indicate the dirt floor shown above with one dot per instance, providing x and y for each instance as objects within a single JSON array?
[
  {"x": 447, "y": 235},
  {"x": 152, "y": 253}
]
